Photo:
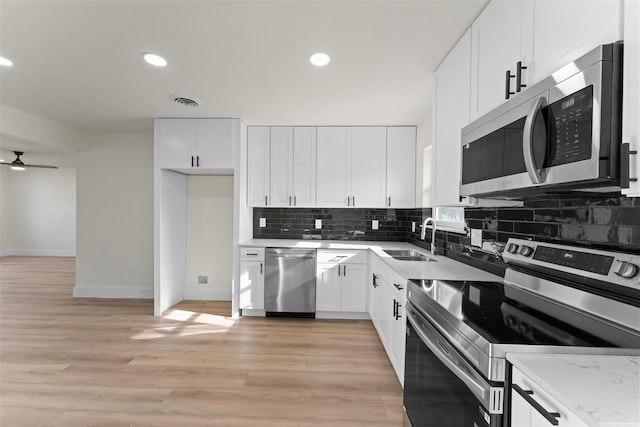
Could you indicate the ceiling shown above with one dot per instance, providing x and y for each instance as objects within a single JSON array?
[{"x": 79, "y": 63}]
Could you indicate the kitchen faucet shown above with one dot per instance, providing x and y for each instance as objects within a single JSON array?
[{"x": 433, "y": 233}]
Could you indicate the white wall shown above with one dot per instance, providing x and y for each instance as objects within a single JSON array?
[
  {"x": 38, "y": 212},
  {"x": 115, "y": 216},
  {"x": 209, "y": 237}
]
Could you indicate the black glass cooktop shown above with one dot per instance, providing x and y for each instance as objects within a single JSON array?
[{"x": 498, "y": 318}]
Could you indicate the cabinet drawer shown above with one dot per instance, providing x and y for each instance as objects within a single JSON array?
[
  {"x": 251, "y": 254},
  {"x": 340, "y": 256}
]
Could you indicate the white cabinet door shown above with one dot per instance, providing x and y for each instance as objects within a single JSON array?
[
  {"x": 397, "y": 338},
  {"x": 564, "y": 31},
  {"x": 499, "y": 40},
  {"x": 353, "y": 295},
  {"x": 252, "y": 285},
  {"x": 450, "y": 115},
  {"x": 178, "y": 138},
  {"x": 281, "y": 169},
  {"x": 304, "y": 166},
  {"x": 401, "y": 167},
  {"x": 333, "y": 162},
  {"x": 328, "y": 287},
  {"x": 215, "y": 144},
  {"x": 368, "y": 166},
  {"x": 631, "y": 98},
  {"x": 258, "y": 157}
]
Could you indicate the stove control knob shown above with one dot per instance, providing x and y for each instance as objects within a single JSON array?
[
  {"x": 626, "y": 270},
  {"x": 526, "y": 250},
  {"x": 512, "y": 248}
]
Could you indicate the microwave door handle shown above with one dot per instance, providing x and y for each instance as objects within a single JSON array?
[
  {"x": 536, "y": 175},
  {"x": 476, "y": 388}
]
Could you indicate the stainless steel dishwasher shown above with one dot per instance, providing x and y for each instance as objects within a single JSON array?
[{"x": 290, "y": 282}]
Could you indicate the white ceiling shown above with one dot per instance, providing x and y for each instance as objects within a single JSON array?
[{"x": 79, "y": 62}]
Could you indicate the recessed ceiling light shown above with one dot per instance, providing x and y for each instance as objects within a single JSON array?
[
  {"x": 155, "y": 60},
  {"x": 319, "y": 59},
  {"x": 5, "y": 62}
]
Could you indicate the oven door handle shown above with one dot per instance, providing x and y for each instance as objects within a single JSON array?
[
  {"x": 537, "y": 175},
  {"x": 491, "y": 397}
]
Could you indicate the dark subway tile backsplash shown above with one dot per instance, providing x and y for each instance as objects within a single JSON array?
[{"x": 604, "y": 222}]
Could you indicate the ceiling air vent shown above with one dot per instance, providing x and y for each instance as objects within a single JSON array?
[{"x": 185, "y": 100}]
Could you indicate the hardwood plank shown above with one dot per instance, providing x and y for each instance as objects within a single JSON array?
[{"x": 95, "y": 362}]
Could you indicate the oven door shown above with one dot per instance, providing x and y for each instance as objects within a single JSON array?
[{"x": 440, "y": 387}]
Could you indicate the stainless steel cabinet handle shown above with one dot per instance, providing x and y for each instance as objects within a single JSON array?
[
  {"x": 389, "y": 201},
  {"x": 398, "y": 287},
  {"x": 289, "y": 200},
  {"x": 338, "y": 271},
  {"x": 526, "y": 395},
  {"x": 260, "y": 268},
  {"x": 344, "y": 270},
  {"x": 198, "y": 161},
  {"x": 348, "y": 201},
  {"x": 398, "y": 305},
  {"x": 374, "y": 283},
  {"x": 353, "y": 201},
  {"x": 191, "y": 161},
  {"x": 265, "y": 201}
]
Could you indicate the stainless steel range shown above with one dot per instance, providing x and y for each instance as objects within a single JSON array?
[{"x": 553, "y": 299}]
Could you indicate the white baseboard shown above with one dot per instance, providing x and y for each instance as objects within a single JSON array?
[
  {"x": 37, "y": 252},
  {"x": 95, "y": 292},
  {"x": 342, "y": 315},
  {"x": 207, "y": 294}
]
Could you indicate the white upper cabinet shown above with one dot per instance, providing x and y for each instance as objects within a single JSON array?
[
  {"x": 352, "y": 167},
  {"x": 565, "y": 30},
  {"x": 258, "y": 157},
  {"x": 631, "y": 96},
  {"x": 293, "y": 166},
  {"x": 334, "y": 159},
  {"x": 196, "y": 145},
  {"x": 517, "y": 43},
  {"x": 498, "y": 42},
  {"x": 368, "y": 166},
  {"x": 281, "y": 166},
  {"x": 401, "y": 167},
  {"x": 451, "y": 90},
  {"x": 304, "y": 167}
]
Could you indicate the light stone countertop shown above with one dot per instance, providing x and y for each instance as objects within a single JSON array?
[
  {"x": 442, "y": 268},
  {"x": 603, "y": 391}
]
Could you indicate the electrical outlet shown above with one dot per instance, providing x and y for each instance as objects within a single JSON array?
[
  {"x": 374, "y": 224},
  {"x": 203, "y": 280},
  {"x": 413, "y": 227},
  {"x": 263, "y": 222},
  {"x": 318, "y": 223},
  {"x": 476, "y": 238}
]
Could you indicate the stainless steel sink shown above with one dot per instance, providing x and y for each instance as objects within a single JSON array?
[{"x": 407, "y": 255}]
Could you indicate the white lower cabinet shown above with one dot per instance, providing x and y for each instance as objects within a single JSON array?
[
  {"x": 539, "y": 408},
  {"x": 251, "y": 278},
  {"x": 387, "y": 299},
  {"x": 341, "y": 281}
]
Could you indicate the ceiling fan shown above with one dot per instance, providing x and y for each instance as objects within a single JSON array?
[{"x": 19, "y": 165}]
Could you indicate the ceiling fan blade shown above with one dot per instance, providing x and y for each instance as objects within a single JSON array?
[{"x": 41, "y": 166}]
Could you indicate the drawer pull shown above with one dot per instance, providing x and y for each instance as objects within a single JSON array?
[
  {"x": 398, "y": 287},
  {"x": 526, "y": 395}
]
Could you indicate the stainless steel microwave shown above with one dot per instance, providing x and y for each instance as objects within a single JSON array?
[{"x": 563, "y": 133}]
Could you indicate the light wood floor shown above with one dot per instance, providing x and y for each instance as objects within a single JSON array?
[{"x": 94, "y": 362}]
